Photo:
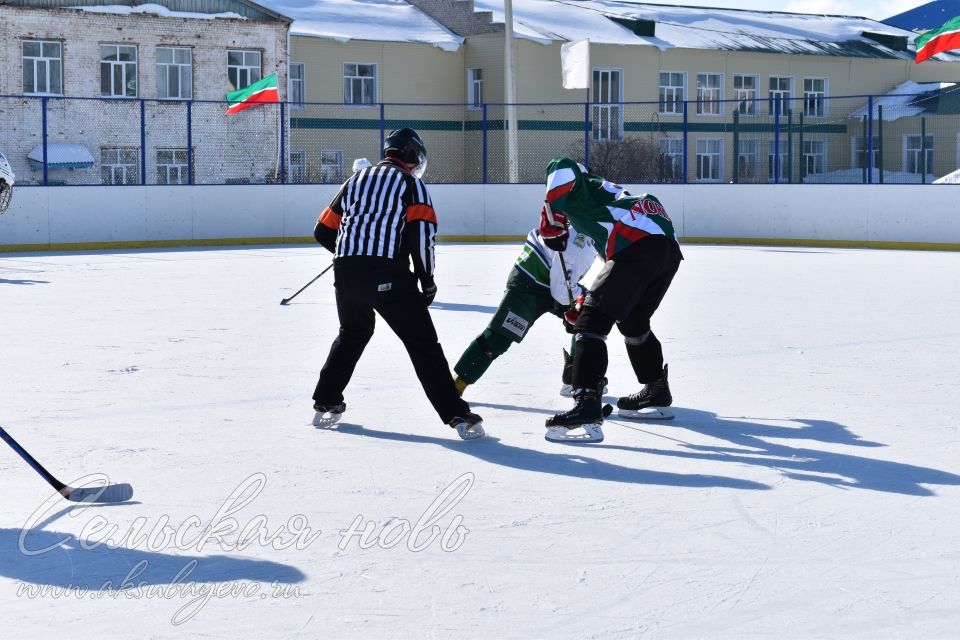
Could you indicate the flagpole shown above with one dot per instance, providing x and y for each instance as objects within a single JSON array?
[{"x": 511, "y": 92}]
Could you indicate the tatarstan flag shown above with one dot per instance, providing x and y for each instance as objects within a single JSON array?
[
  {"x": 939, "y": 40},
  {"x": 257, "y": 93}
]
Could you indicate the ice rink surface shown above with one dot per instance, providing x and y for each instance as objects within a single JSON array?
[{"x": 808, "y": 487}]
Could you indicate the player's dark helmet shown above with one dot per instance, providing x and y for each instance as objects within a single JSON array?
[{"x": 407, "y": 145}]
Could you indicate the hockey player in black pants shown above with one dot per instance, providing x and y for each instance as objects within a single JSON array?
[
  {"x": 636, "y": 238},
  {"x": 381, "y": 220}
]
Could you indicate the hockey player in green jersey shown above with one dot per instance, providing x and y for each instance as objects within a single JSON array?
[
  {"x": 636, "y": 238},
  {"x": 536, "y": 285}
]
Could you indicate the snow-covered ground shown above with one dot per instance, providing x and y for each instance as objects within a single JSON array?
[{"x": 808, "y": 487}]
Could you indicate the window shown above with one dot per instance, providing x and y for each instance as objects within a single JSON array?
[
  {"x": 174, "y": 73},
  {"x": 359, "y": 83},
  {"x": 172, "y": 166},
  {"x": 745, "y": 93},
  {"x": 671, "y": 160},
  {"x": 331, "y": 165},
  {"x": 243, "y": 68},
  {"x": 748, "y": 161},
  {"x": 780, "y": 91},
  {"x": 709, "y": 160},
  {"x": 671, "y": 91},
  {"x": 118, "y": 71},
  {"x": 814, "y": 156},
  {"x": 915, "y": 158},
  {"x": 296, "y": 94},
  {"x": 709, "y": 93},
  {"x": 606, "y": 109},
  {"x": 298, "y": 167},
  {"x": 815, "y": 97},
  {"x": 778, "y": 162},
  {"x": 42, "y": 68},
  {"x": 859, "y": 154},
  {"x": 119, "y": 165},
  {"x": 475, "y": 88}
]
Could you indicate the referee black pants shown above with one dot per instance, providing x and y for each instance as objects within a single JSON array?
[{"x": 365, "y": 285}]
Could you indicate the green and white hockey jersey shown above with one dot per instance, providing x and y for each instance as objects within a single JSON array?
[
  {"x": 540, "y": 263},
  {"x": 602, "y": 210}
]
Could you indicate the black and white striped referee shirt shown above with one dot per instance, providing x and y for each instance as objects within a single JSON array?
[{"x": 382, "y": 211}]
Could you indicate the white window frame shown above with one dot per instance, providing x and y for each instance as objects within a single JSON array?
[
  {"x": 785, "y": 94},
  {"x": 750, "y": 159},
  {"x": 709, "y": 98},
  {"x": 247, "y": 71},
  {"x": 475, "y": 88},
  {"x": 672, "y": 150},
  {"x": 671, "y": 96},
  {"x": 372, "y": 81},
  {"x": 297, "y": 166},
  {"x": 746, "y": 97},
  {"x": 127, "y": 69},
  {"x": 911, "y": 154},
  {"x": 176, "y": 170},
  {"x": 183, "y": 70},
  {"x": 715, "y": 156},
  {"x": 123, "y": 163},
  {"x": 817, "y": 157},
  {"x": 606, "y": 108},
  {"x": 816, "y": 99},
  {"x": 325, "y": 166},
  {"x": 43, "y": 65},
  {"x": 784, "y": 162},
  {"x": 857, "y": 145},
  {"x": 297, "y": 86}
]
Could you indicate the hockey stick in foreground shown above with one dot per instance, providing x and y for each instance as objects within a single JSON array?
[
  {"x": 110, "y": 493},
  {"x": 286, "y": 300},
  {"x": 563, "y": 263}
]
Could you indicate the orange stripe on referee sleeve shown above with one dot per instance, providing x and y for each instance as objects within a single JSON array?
[
  {"x": 421, "y": 212},
  {"x": 329, "y": 218}
]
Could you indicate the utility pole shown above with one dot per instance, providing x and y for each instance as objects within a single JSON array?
[{"x": 510, "y": 78}]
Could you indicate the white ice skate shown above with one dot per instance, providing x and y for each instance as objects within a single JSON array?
[
  {"x": 468, "y": 428},
  {"x": 328, "y": 415},
  {"x": 567, "y": 390},
  {"x": 591, "y": 432}
]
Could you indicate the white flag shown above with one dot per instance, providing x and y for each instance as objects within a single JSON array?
[{"x": 575, "y": 60}]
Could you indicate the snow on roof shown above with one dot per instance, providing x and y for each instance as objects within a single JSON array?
[
  {"x": 903, "y": 101},
  {"x": 950, "y": 178},
  {"x": 155, "y": 9},
  {"x": 545, "y": 21},
  {"x": 61, "y": 153},
  {"x": 379, "y": 20}
]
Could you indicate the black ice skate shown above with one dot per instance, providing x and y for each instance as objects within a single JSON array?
[
  {"x": 583, "y": 423},
  {"x": 567, "y": 378},
  {"x": 469, "y": 427},
  {"x": 649, "y": 402},
  {"x": 327, "y": 415}
]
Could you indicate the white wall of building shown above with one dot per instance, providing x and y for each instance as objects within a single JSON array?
[{"x": 61, "y": 217}]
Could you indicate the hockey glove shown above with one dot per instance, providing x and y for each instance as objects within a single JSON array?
[
  {"x": 429, "y": 290},
  {"x": 572, "y": 314},
  {"x": 554, "y": 235}
]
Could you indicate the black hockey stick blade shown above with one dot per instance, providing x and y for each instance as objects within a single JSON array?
[{"x": 109, "y": 494}]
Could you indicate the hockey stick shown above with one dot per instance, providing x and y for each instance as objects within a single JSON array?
[
  {"x": 286, "y": 300},
  {"x": 563, "y": 263},
  {"x": 106, "y": 494}
]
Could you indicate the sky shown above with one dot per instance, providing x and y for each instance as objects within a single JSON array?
[{"x": 875, "y": 9}]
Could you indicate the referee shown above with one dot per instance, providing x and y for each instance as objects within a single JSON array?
[{"x": 381, "y": 220}]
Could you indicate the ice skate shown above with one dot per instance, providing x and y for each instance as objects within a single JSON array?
[
  {"x": 649, "y": 403},
  {"x": 567, "y": 389},
  {"x": 469, "y": 427},
  {"x": 583, "y": 423},
  {"x": 327, "y": 415}
]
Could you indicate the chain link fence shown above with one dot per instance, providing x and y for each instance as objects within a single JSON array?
[{"x": 840, "y": 140}]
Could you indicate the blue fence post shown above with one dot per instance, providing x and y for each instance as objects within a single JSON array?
[
  {"x": 586, "y": 134},
  {"x": 143, "y": 142},
  {"x": 686, "y": 139},
  {"x": 868, "y": 143},
  {"x": 43, "y": 126},
  {"x": 483, "y": 126},
  {"x": 776, "y": 140},
  {"x": 190, "y": 142},
  {"x": 283, "y": 154},
  {"x": 383, "y": 125}
]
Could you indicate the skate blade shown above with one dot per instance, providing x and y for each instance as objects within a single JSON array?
[
  {"x": 567, "y": 390},
  {"x": 584, "y": 433},
  {"x": 468, "y": 432},
  {"x": 647, "y": 413},
  {"x": 326, "y": 420}
]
